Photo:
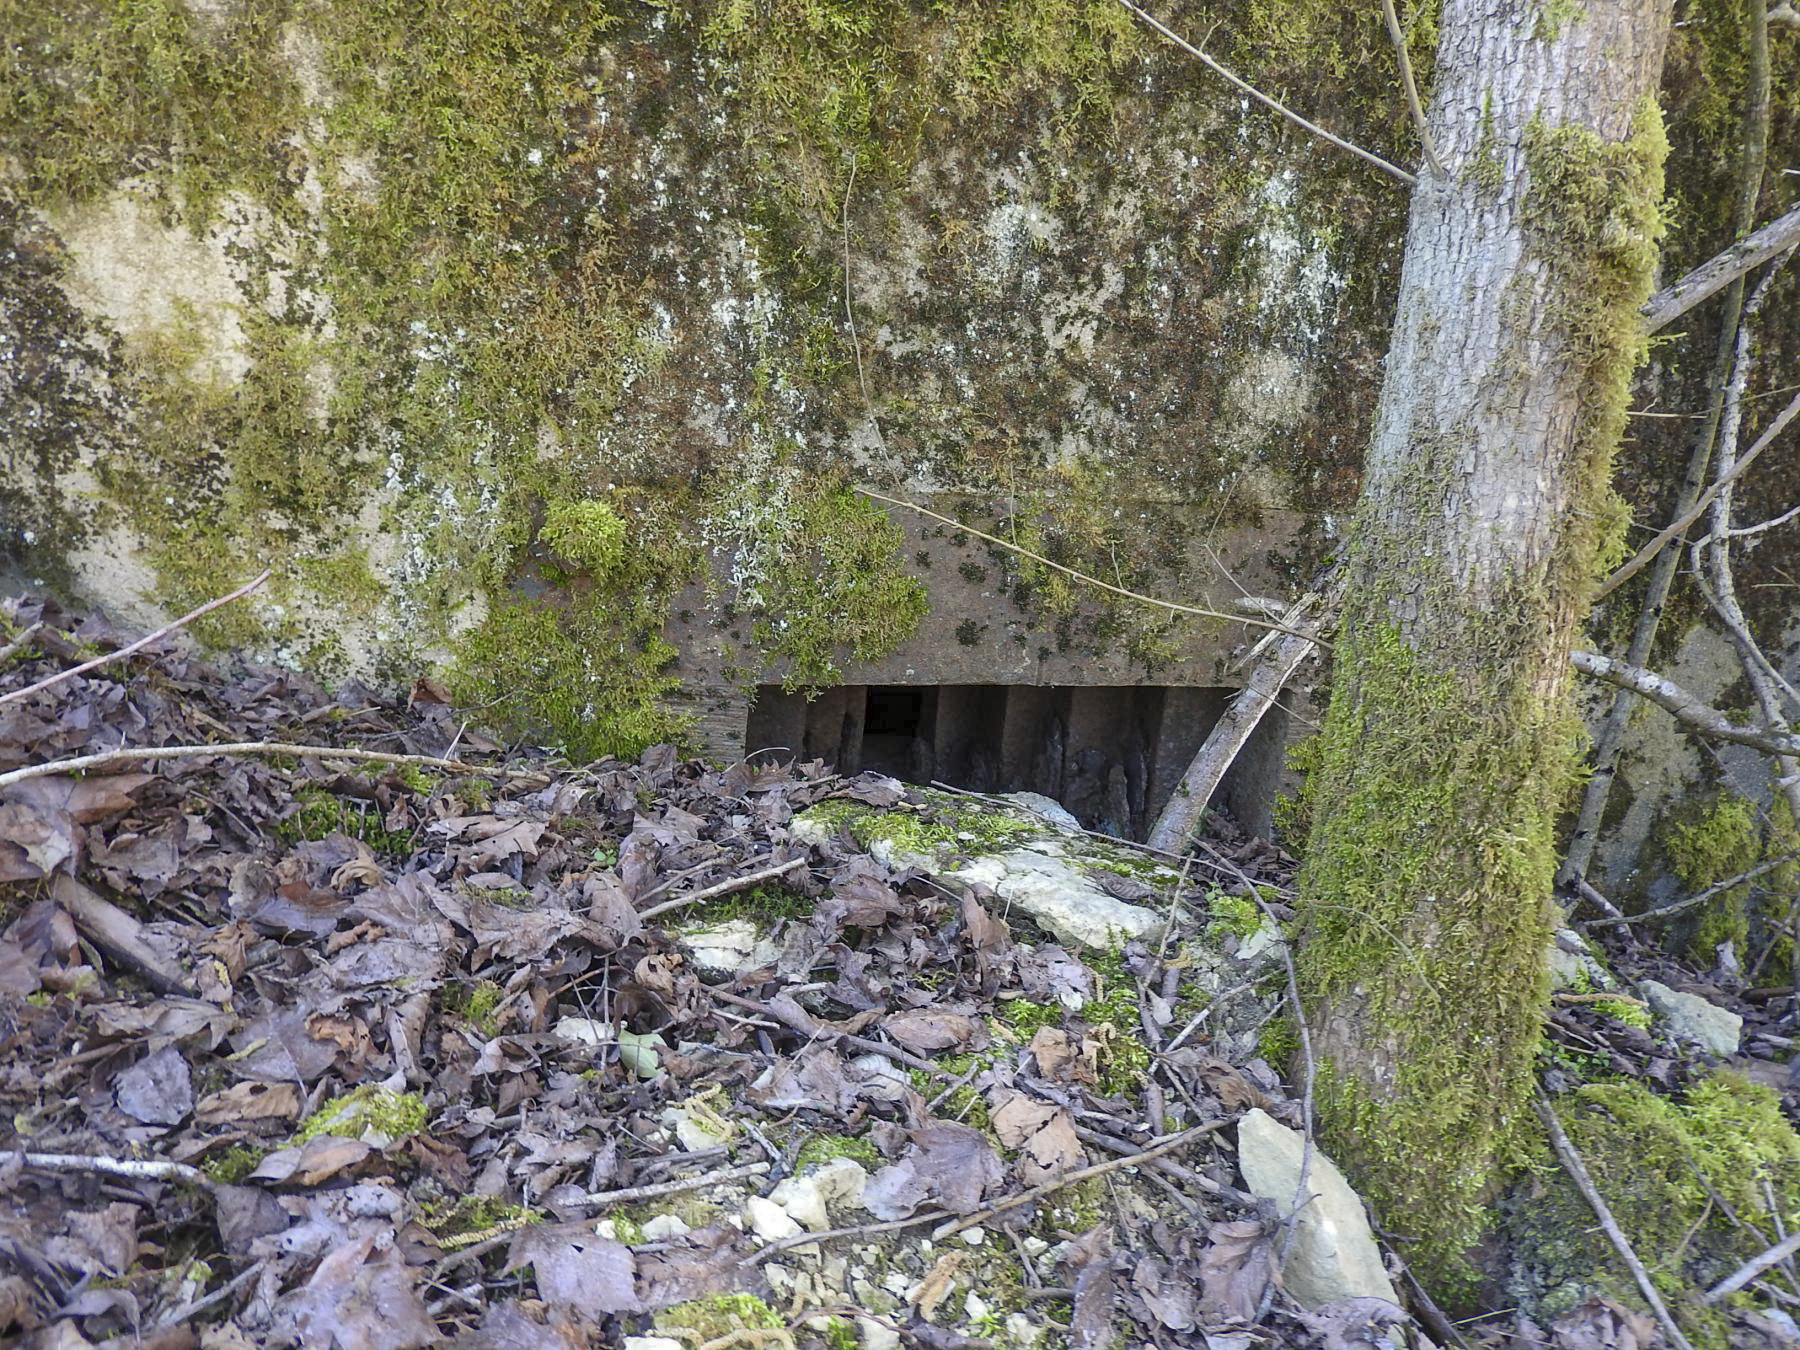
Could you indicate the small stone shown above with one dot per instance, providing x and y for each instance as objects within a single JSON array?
[
  {"x": 728, "y": 948},
  {"x": 1692, "y": 1018},
  {"x": 665, "y": 1226},
  {"x": 974, "y": 1237},
  {"x": 877, "y": 1335},
  {"x": 800, "y": 1198},
  {"x": 1046, "y": 808},
  {"x": 975, "y": 1306},
  {"x": 1035, "y": 1246},
  {"x": 769, "y": 1220},
  {"x": 896, "y": 1282},
  {"x": 1573, "y": 964},
  {"x": 652, "y": 1343},
  {"x": 841, "y": 1182},
  {"x": 1022, "y": 1331},
  {"x": 696, "y": 1135}
]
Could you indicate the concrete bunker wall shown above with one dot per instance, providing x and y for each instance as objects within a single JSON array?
[{"x": 1111, "y": 754}]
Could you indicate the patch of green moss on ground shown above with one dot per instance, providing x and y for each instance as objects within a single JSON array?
[
  {"x": 720, "y": 1315},
  {"x": 320, "y": 812},
  {"x": 1659, "y": 1163},
  {"x": 455, "y": 1216},
  {"x": 955, "y": 829},
  {"x": 1027, "y": 1018},
  {"x": 369, "y": 1113},
  {"x": 824, "y": 1148}
]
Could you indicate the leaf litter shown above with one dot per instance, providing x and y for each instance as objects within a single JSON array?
[{"x": 301, "y": 1052}]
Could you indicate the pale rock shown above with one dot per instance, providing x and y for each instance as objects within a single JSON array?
[
  {"x": 1022, "y": 1331},
  {"x": 640, "y": 1052},
  {"x": 695, "y": 1133},
  {"x": 973, "y": 1237},
  {"x": 1573, "y": 964},
  {"x": 1267, "y": 938},
  {"x": 974, "y": 1306},
  {"x": 664, "y": 1227},
  {"x": 841, "y": 1182},
  {"x": 1334, "y": 1254},
  {"x": 1047, "y": 808},
  {"x": 877, "y": 1335},
  {"x": 1692, "y": 1018},
  {"x": 652, "y": 1343},
  {"x": 896, "y": 1282},
  {"x": 728, "y": 948},
  {"x": 1035, "y": 1246},
  {"x": 801, "y": 1199},
  {"x": 769, "y": 1220},
  {"x": 1059, "y": 896}
]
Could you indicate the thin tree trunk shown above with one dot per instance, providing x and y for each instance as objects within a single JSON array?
[{"x": 1450, "y": 746}]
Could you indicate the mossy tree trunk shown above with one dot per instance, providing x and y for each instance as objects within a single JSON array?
[{"x": 1451, "y": 742}]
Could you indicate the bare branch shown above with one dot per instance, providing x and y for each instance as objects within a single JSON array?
[
  {"x": 20, "y": 643},
  {"x": 1426, "y": 143},
  {"x": 1662, "y": 912},
  {"x": 134, "y": 1169},
  {"x": 1755, "y": 1266},
  {"x": 1091, "y": 581},
  {"x": 1686, "y": 707},
  {"x": 1677, "y": 526},
  {"x": 657, "y": 1189},
  {"x": 1578, "y": 1173},
  {"x": 141, "y": 643},
  {"x": 81, "y": 763},
  {"x": 1712, "y": 276},
  {"x": 742, "y": 883},
  {"x": 1392, "y": 170}
]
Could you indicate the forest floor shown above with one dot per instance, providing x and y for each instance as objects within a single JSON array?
[{"x": 297, "y": 1049}]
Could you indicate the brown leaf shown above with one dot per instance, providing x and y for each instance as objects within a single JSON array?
[
  {"x": 249, "y": 1101},
  {"x": 314, "y": 1161},
  {"x": 158, "y": 1089},
  {"x": 351, "y": 1303},
  {"x": 924, "y": 1030},
  {"x": 929, "y": 1293},
  {"x": 1236, "y": 1265},
  {"x": 1063, "y": 1059},
  {"x": 595, "y": 1276},
  {"x": 1043, "y": 1132},
  {"x": 1096, "y": 1298}
]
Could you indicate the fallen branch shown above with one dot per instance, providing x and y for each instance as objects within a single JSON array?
[
  {"x": 133, "y": 1169},
  {"x": 82, "y": 763},
  {"x": 139, "y": 645},
  {"x": 1084, "y": 577},
  {"x": 20, "y": 643},
  {"x": 1715, "y": 274},
  {"x": 742, "y": 883},
  {"x": 655, "y": 1190},
  {"x": 1686, "y": 707},
  {"x": 1679, "y": 525},
  {"x": 119, "y": 935},
  {"x": 1662, "y": 912},
  {"x": 1578, "y": 1173},
  {"x": 191, "y": 1310},
  {"x": 1755, "y": 1266},
  {"x": 1186, "y": 807},
  {"x": 1078, "y": 1176},
  {"x": 1392, "y": 170},
  {"x": 799, "y": 1020}
]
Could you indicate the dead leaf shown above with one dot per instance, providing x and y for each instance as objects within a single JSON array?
[
  {"x": 925, "y": 1030},
  {"x": 1236, "y": 1265},
  {"x": 1044, "y": 1134},
  {"x": 929, "y": 1293},
  {"x": 595, "y": 1276},
  {"x": 249, "y": 1101},
  {"x": 158, "y": 1089}
]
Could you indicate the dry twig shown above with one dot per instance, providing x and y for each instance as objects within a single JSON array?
[
  {"x": 1141, "y": 598},
  {"x": 726, "y": 887},
  {"x": 627, "y": 1195},
  {"x": 1662, "y": 912},
  {"x": 1426, "y": 143},
  {"x": 1080, "y": 1174},
  {"x": 139, "y": 645},
  {"x": 136, "y": 754},
  {"x": 134, "y": 1169},
  {"x": 1712, "y": 276},
  {"x": 1391, "y": 170},
  {"x": 1687, "y": 708}
]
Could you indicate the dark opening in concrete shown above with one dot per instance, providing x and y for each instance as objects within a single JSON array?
[{"x": 1111, "y": 754}]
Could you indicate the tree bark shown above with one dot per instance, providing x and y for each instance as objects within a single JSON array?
[{"x": 1486, "y": 515}]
